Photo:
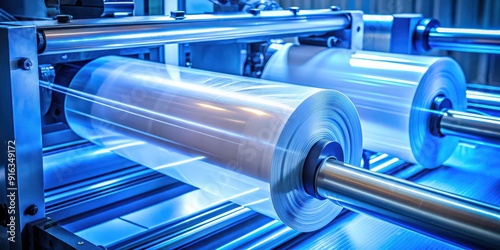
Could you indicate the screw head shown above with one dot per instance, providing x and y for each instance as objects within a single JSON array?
[
  {"x": 63, "y": 18},
  {"x": 31, "y": 210},
  {"x": 294, "y": 10},
  {"x": 254, "y": 11},
  {"x": 25, "y": 63},
  {"x": 335, "y": 8},
  {"x": 80, "y": 242},
  {"x": 178, "y": 14}
]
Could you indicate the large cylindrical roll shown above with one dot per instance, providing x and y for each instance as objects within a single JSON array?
[
  {"x": 393, "y": 94},
  {"x": 242, "y": 139}
]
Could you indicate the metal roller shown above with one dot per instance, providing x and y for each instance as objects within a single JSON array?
[
  {"x": 477, "y": 128},
  {"x": 199, "y": 127},
  {"x": 483, "y": 98},
  {"x": 99, "y": 34},
  {"x": 441, "y": 215},
  {"x": 468, "y": 40},
  {"x": 428, "y": 35}
]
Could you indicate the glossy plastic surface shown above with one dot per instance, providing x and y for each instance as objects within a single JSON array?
[
  {"x": 237, "y": 138},
  {"x": 393, "y": 94}
]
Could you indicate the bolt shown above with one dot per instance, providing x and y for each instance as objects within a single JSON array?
[
  {"x": 25, "y": 63},
  {"x": 63, "y": 18},
  {"x": 254, "y": 11},
  {"x": 80, "y": 242},
  {"x": 31, "y": 210},
  {"x": 335, "y": 8},
  {"x": 178, "y": 14},
  {"x": 294, "y": 10}
]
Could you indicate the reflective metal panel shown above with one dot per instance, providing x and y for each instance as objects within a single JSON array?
[{"x": 20, "y": 134}]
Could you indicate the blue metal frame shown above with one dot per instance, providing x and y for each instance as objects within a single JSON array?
[{"x": 20, "y": 134}]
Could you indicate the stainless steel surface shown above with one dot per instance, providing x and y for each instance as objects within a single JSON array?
[
  {"x": 390, "y": 33},
  {"x": 483, "y": 98},
  {"x": 478, "y": 128},
  {"x": 468, "y": 40},
  {"x": 20, "y": 133},
  {"x": 429, "y": 211},
  {"x": 149, "y": 31},
  {"x": 378, "y": 32},
  {"x": 395, "y": 33},
  {"x": 355, "y": 34}
]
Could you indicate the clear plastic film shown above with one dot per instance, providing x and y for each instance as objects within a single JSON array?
[
  {"x": 242, "y": 139},
  {"x": 393, "y": 94}
]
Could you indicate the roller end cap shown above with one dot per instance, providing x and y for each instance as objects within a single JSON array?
[
  {"x": 320, "y": 151},
  {"x": 441, "y": 103}
]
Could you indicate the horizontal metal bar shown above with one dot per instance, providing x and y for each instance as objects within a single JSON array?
[
  {"x": 438, "y": 214},
  {"x": 468, "y": 40},
  {"x": 478, "y": 128},
  {"x": 130, "y": 32},
  {"x": 485, "y": 98}
]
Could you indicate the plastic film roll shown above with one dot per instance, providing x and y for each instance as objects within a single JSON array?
[
  {"x": 393, "y": 94},
  {"x": 245, "y": 140}
]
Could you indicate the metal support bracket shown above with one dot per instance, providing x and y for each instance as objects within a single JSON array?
[{"x": 21, "y": 185}]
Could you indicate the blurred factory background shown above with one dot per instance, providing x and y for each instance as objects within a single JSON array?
[{"x": 481, "y": 14}]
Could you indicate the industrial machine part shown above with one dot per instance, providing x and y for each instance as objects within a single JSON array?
[
  {"x": 429, "y": 211},
  {"x": 81, "y": 40},
  {"x": 484, "y": 99},
  {"x": 478, "y": 128},
  {"x": 90, "y": 191},
  {"x": 83, "y": 35},
  {"x": 138, "y": 108},
  {"x": 397, "y": 97},
  {"x": 412, "y": 34}
]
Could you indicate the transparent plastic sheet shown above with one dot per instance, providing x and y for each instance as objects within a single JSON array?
[
  {"x": 239, "y": 138},
  {"x": 393, "y": 94}
]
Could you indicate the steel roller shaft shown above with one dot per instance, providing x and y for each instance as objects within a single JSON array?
[
  {"x": 483, "y": 98},
  {"x": 152, "y": 31},
  {"x": 469, "y": 40},
  {"x": 479, "y": 128},
  {"x": 410, "y": 33},
  {"x": 438, "y": 214}
]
